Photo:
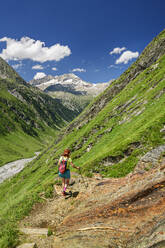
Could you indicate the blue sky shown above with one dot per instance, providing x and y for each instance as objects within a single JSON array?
[{"x": 54, "y": 37}]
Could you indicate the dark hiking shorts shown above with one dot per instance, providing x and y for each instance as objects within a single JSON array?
[{"x": 66, "y": 174}]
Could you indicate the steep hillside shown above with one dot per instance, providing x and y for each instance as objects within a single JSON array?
[
  {"x": 154, "y": 51},
  {"x": 125, "y": 121},
  {"x": 72, "y": 91},
  {"x": 26, "y": 114},
  {"x": 120, "y": 134},
  {"x": 124, "y": 212}
]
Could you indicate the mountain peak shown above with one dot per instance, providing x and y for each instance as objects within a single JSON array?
[
  {"x": 68, "y": 83},
  {"x": 6, "y": 71},
  {"x": 71, "y": 90}
]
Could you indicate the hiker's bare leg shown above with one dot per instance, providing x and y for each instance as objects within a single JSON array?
[
  {"x": 66, "y": 182},
  {"x": 63, "y": 183}
]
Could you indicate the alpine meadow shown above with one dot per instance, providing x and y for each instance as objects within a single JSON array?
[{"x": 119, "y": 138}]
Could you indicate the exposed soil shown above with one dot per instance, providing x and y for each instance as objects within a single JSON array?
[{"x": 126, "y": 212}]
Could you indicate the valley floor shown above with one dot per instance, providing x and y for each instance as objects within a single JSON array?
[{"x": 10, "y": 169}]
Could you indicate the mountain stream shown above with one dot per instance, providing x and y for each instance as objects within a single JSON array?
[{"x": 12, "y": 168}]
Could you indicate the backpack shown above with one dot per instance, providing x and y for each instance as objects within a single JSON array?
[{"x": 62, "y": 166}]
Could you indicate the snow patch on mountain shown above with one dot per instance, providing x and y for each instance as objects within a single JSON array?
[{"x": 69, "y": 82}]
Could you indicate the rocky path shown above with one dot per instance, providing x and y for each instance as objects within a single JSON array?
[
  {"x": 51, "y": 213},
  {"x": 10, "y": 169},
  {"x": 103, "y": 213}
]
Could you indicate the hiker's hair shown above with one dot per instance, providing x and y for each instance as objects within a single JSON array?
[{"x": 66, "y": 153}]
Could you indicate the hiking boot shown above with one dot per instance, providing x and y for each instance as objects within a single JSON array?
[{"x": 63, "y": 193}]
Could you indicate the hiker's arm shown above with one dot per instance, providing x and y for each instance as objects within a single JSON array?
[
  {"x": 74, "y": 166},
  {"x": 59, "y": 162}
]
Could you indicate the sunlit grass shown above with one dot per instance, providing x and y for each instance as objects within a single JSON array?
[{"x": 134, "y": 116}]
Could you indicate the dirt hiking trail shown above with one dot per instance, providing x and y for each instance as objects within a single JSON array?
[{"x": 125, "y": 212}]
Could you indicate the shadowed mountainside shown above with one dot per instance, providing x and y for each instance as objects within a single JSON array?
[{"x": 26, "y": 114}]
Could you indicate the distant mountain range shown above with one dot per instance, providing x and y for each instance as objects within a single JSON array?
[
  {"x": 70, "y": 89},
  {"x": 26, "y": 113},
  {"x": 69, "y": 83}
]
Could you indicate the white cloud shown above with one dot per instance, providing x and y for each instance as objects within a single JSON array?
[
  {"x": 27, "y": 48},
  {"x": 112, "y": 66},
  {"x": 126, "y": 56},
  {"x": 54, "y": 69},
  {"x": 117, "y": 50},
  {"x": 16, "y": 66},
  {"x": 79, "y": 70},
  {"x": 37, "y": 67},
  {"x": 39, "y": 75}
]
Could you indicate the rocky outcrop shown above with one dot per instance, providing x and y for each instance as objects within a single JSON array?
[
  {"x": 125, "y": 212},
  {"x": 150, "y": 159},
  {"x": 27, "y": 245}
]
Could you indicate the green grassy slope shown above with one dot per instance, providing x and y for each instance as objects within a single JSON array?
[
  {"x": 74, "y": 102},
  {"x": 29, "y": 118},
  {"x": 124, "y": 122},
  {"x": 109, "y": 137},
  {"x": 149, "y": 56},
  {"x": 127, "y": 127}
]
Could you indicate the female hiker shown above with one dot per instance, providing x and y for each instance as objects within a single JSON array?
[{"x": 64, "y": 172}]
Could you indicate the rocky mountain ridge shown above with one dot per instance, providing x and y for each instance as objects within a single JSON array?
[
  {"x": 72, "y": 91},
  {"x": 69, "y": 83},
  {"x": 7, "y": 71}
]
